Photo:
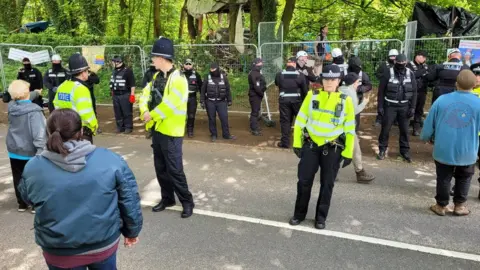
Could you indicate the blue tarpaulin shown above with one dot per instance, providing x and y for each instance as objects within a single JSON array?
[{"x": 35, "y": 27}]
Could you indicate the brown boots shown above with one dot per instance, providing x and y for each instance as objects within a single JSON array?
[
  {"x": 459, "y": 210},
  {"x": 364, "y": 178}
]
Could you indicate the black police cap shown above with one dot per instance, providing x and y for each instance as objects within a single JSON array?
[
  {"x": 213, "y": 66},
  {"x": 331, "y": 72},
  {"x": 475, "y": 68},
  {"x": 163, "y": 47},
  {"x": 401, "y": 58},
  {"x": 117, "y": 58},
  {"x": 422, "y": 53}
]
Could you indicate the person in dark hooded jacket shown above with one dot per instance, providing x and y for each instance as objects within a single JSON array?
[
  {"x": 257, "y": 88},
  {"x": 364, "y": 85},
  {"x": 26, "y": 136},
  {"x": 79, "y": 219}
]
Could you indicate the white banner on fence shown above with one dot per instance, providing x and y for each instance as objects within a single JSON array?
[{"x": 35, "y": 57}]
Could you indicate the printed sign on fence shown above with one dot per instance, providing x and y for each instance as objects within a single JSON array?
[
  {"x": 34, "y": 57},
  {"x": 470, "y": 51},
  {"x": 95, "y": 56}
]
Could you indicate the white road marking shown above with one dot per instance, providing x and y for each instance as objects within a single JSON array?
[{"x": 342, "y": 235}]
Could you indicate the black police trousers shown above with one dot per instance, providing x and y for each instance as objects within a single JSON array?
[
  {"x": 51, "y": 98},
  {"x": 255, "y": 104},
  {"x": 439, "y": 90},
  {"x": 191, "y": 112},
  {"x": 463, "y": 176},
  {"x": 213, "y": 107},
  {"x": 328, "y": 158},
  {"x": 399, "y": 112},
  {"x": 167, "y": 159},
  {"x": 418, "y": 117},
  {"x": 288, "y": 111},
  {"x": 123, "y": 110}
]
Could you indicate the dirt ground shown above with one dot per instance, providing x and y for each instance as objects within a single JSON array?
[{"x": 239, "y": 126}]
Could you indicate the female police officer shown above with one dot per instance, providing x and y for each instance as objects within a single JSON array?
[{"x": 323, "y": 136}]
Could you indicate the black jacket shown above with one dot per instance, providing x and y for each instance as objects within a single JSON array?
[
  {"x": 256, "y": 82},
  {"x": 52, "y": 82},
  {"x": 443, "y": 77},
  {"x": 421, "y": 71},
  {"x": 198, "y": 82},
  {"x": 90, "y": 83},
  {"x": 383, "y": 69},
  {"x": 382, "y": 88},
  {"x": 32, "y": 76},
  {"x": 300, "y": 82},
  {"x": 148, "y": 76},
  {"x": 215, "y": 80}
]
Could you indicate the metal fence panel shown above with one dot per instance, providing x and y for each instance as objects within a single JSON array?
[
  {"x": 9, "y": 68},
  {"x": 133, "y": 56},
  {"x": 410, "y": 33},
  {"x": 372, "y": 53}
]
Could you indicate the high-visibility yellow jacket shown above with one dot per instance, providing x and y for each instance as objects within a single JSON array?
[
  {"x": 76, "y": 96},
  {"x": 476, "y": 91},
  {"x": 170, "y": 116},
  {"x": 317, "y": 116}
]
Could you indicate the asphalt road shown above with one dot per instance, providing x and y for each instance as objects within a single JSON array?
[{"x": 245, "y": 196}]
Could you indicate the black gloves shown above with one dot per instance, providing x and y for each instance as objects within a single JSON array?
[
  {"x": 298, "y": 152},
  {"x": 410, "y": 112},
  {"x": 381, "y": 111},
  {"x": 346, "y": 162}
]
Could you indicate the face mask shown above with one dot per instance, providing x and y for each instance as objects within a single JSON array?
[
  {"x": 400, "y": 67},
  {"x": 390, "y": 61},
  {"x": 215, "y": 73},
  {"x": 27, "y": 66},
  {"x": 56, "y": 66},
  {"x": 152, "y": 68},
  {"x": 338, "y": 60},
  {"x": 355, "y": 68}
]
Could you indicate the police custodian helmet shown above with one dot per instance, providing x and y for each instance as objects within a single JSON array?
[
  {"x": 331, "y": 72},
  {"x": 77, "y": 64},
  {"x": 163, "y": 47}
]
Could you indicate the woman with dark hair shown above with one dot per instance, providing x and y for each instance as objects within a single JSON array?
[{"x": 82, "y": 206}]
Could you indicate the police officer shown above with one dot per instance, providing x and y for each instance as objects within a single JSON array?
[
  {"x": 293, "y": 89},
  {"x": 74, "y": 94},
  {"x": 339, "y": 60},
  {"x": 445, "y": 75},
  {"x": 420, "y": 69},
  {"x": 194, "y": 86},
  {"x": 216, "y": 96},
  {"x": 364, "y": 84},
  {"x": 53, "y": 78},
  {"x": 382, "y": 70},
  {"x": 397, "y": 97},
  {"x": 122, "y": 87},
  {"x": 148, "y": 76},
  {"x": 323, "y": 136},
  {"x": 33, "y": 76},
  {"x": 257, "y": 88},
  {"x": 302, "y": 58},
  {"x": 163, "y": 107}
]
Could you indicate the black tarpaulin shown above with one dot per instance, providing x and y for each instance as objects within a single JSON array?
[{"x": 438, "y": 21}]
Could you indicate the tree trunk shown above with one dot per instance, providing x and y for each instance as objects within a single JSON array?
[
  {"x": 59, "y": 18},
  {"x": 121, "y": 23},
  {"x": 105, "y": 11},
  {"x": 92, "y": 12},
  {"x": 157, "y": 27},
  {"x": 232, "y": 16},
  {"x": 183, "y": 14},
  {"x": 149, "y": 22},
  {"x": 287, "y": 16},
  {"x": 256, "y": 16},
  {"x": 192, "y": 30},
  {"x": 11, "y": 15}
]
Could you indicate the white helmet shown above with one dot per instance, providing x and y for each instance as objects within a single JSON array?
[
  {"x": 301, "y": 53},
  {"x": 393, "y": 52},
  {"x": 336, "y": 52},
  {"x": 56, "y": 57}
]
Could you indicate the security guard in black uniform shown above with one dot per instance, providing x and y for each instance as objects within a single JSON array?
[
  {"x": 420, "y": 69},
  {"x": 53, "y": 78},
  {"x": 339, "y": 60},
  {"x": 257, "y": 88},
  {"x": 194, "y": 86},
  {"x": 148, "y": 76},
  {"x": 293, "y": 88},
  {"x": 33, "y": 76},
  {"x": 445, "y": 75},
  {"x": 384, "y": 69},
  {"x": 122, "y": 85},
  {"x": 397, "y": 97},
  {"x": 216, "y": 96}
]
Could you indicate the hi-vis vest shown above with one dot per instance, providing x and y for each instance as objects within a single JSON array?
[
  {"x": 476, "y": 91},
  {"x": 170, "y": 116},
  {"x": 216, "y": 91},
  {"x": 118, "y": 81},
  {"x": 286, "y": 91},
  {"x": 317, "y": 116},
  {"x": 394, "y": 85},
  {"x": 76, "y": 96}
]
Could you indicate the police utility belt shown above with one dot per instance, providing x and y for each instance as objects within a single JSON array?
[
  {"x": 397, "y": 101},
  {"x": 338, "y": 143}
]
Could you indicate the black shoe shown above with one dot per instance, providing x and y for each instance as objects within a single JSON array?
[
  {"x": 231, "y": 137},
  {"x": 381, "y": 155},
  {"x": 416, "y": 133},
  {"x": 22, "y": 207},
  {"x": 213, "y": 138},
  {"x": 295, "y": 221},
  {"x": 128, "y": 131},
  {"x": 187, "y": 211},
  {"x": 319, "y": 225},
  {"x": 120, "y": 131},
  {"x": 406, "y": 157},
  {"x": 281, "y": 145},
  {"x": 161, "y": 206},
  {"x": 190, "y": 134},
  {"x": 256, "y": 133}
]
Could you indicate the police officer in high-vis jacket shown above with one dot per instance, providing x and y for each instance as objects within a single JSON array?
[
  {"x": 194, "y": 86},
  {"x": 445, "y": 75},
  {"x": 323, "y": 137},
  {"x": 420, "y": 69},
  {"x": 122, "y": 85},
  {"x": 74, "y": 94},
  {"x": 216, "y": 96},
  {"x": 397, "y": 97},
  {"x": 163, "y": 106},
  {"x": 53, "y": 78},
  {"x": 293, "y": 88}
]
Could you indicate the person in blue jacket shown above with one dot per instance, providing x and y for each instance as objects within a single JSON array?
[{"x": 82, "y": 206}]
